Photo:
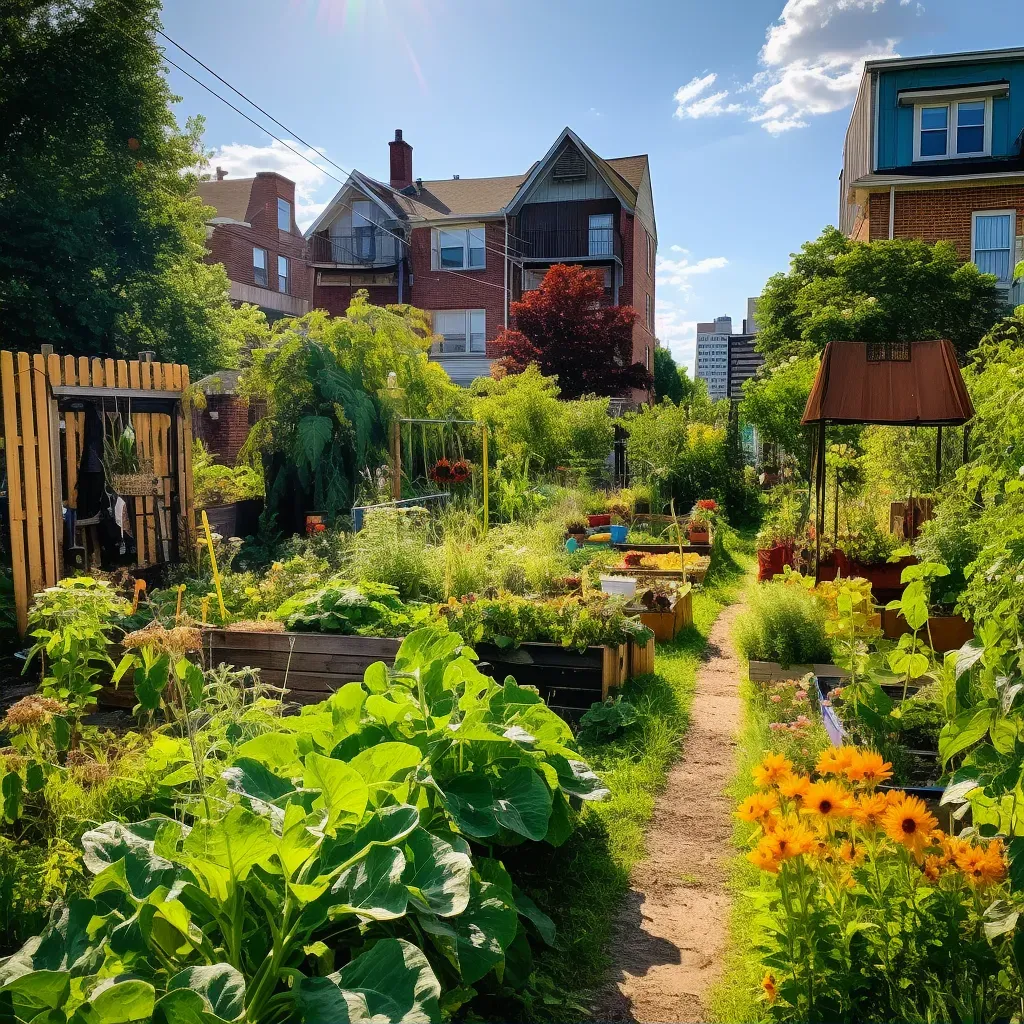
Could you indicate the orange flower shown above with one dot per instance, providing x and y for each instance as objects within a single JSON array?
[
  {"x": 757, "y": 807},
  {"x": 763, "y": 859},
  {"x": 869, "y": 768},
  {"x": 790, "y": 839},
  {"x": 933, "y": 866},
  {"x": 909, "y": 823},
  {"x": 836, "y": 760},
  {"x": 869, "y": 810},
  {"x": 828, "y": 799},
  {"x": 794, "y": 787},
  {"x": 771, "y": 769},
  {"x": 982, "y": 867},
  {"x": 850, "y": 853},
  {"x": 771, "y": 991}
]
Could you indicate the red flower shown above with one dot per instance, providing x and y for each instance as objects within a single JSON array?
[{"x": 708, "y": 504}]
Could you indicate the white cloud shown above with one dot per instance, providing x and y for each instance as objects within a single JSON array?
[
  {"x": 243, "y": 161},
  {"x": 811, "y": 61},
  {"x": 677, "y": 273},
  {"x": 676, "y": 333},
  {"x": 678, "y": 248}
]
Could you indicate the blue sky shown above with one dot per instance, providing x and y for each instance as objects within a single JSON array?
[{"x": 741, "y": 104}]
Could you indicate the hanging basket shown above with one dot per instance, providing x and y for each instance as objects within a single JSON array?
[{"x": 143, "y": 483}]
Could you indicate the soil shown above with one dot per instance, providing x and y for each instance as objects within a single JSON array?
[{"x": 670, "y": 935}]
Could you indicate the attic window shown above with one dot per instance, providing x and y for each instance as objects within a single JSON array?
[
  {"x": 569, "y": 165},
  {"x": 888, "y": 351}
]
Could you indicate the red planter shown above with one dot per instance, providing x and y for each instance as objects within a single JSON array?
[
  {"x": 948, "y": 632},
  {"x": 599, "y": 520},
  {"x": 885, "y": 576},
  {"x": 697, "y": 536},
  {"x": 771, "y": 561}
]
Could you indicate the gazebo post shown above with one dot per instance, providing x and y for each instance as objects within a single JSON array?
[
  {"x": 819, "y": 501},
  {"x": 938, "y": 456}
]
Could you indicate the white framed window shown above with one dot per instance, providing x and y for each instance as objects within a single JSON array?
[
  {"x": 461, "y": 330},
  {"x": 283, "y": 274},
  {"x": 961, "y": 128},
  {"x": 284, "y": 215},
  {"x": 601, "y": 241},
  {"x": 992, "y": 243},
  {"x": 259, "y": 266},
  {"x": 458, "y": 249}
]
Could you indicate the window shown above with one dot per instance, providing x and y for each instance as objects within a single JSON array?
[
  {"x": 601, "y": 234},
  {"x": 992, "y": 243},
  {"x": 460, "y": 250},
  {"x": 651, "y": 249},
  {"x": 649, "y": 309},
  {"x": 259, "y": 266},
  {"x": 282, "y": 274},
  {"x": 284, "y": 215},
  {"x": 363, "y": 236},
  {"x": 946, "y": 130},
  {"x": 462, "y": 330}
]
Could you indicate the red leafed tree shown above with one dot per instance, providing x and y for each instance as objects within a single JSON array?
[{"x": 564, "y": 329}]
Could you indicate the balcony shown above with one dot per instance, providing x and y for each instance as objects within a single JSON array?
[
  {"x": 367, "y": 248},
  {"x": 578, "y": 243}
]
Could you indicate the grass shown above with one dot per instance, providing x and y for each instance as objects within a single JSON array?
[{"x": 583, "y": 887}]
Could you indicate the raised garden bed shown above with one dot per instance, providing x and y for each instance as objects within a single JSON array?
[
  {"x": 773, "y": 672},
  {"x": 316, "y": 664},
  {"x": 667, "y": 624},
  {"x": 663, "y": 549},
  {"x": 948, "y": 632}
]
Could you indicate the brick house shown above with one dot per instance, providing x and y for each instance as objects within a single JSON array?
[
  {"x": 934, "y": 151},
  {"x": 464, "y": 248},
  {"x": 254, "y": 234}
]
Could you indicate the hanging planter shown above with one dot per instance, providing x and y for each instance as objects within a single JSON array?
[{"x": 449, "y": 473}]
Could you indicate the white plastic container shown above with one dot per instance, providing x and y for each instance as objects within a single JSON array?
[{"x": 623, "y": 586}]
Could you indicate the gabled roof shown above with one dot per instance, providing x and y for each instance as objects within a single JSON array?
[
  {"x": 464, "y": 198},
  {"x": 229, "y": 197},
  {"x": 925, "y": 390}
]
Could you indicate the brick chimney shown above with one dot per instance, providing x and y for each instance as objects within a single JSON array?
[
  {"x": 221, "y": 174},
  {"x": 401, "y": 161}
]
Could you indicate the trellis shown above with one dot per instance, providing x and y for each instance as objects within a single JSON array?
[{"x": 43, "y": 429}]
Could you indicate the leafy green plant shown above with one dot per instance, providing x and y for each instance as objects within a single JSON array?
[
  {"x": 218, "y": 485},
  {"x": 120, "y": 453},
  {"x": 783, "y": 623},
  {"x": 391, "y": 548},
  {"x": 353, "y": 609},
  {"x": 72, "y": 625},
  {"x": 607, "y": 719}
]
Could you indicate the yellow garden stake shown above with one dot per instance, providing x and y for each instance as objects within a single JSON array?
[
  {"x": 206, "y": 607},
  {"x": 177, "y": 610},
  {"x": 140, "y": 586},
  {"x": 213, "y": 563},
  {"x": 486, "y": 506}
]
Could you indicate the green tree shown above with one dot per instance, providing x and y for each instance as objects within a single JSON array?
[
  {"x": 774, "y": 402},
  {"x": 101, "y": 236},
  {"x": 668, "y": 377},
  {"x": 899, "y": 290}
]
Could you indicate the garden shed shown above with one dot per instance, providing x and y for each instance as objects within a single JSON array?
[
  {"x": 892, "y": 383},
  {"x": 52, "y": 407}
]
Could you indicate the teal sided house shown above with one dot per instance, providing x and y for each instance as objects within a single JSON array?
[{"x": 934, "y": 151}]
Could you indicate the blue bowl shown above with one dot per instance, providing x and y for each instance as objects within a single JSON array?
[{"x": 618, "y": 534}]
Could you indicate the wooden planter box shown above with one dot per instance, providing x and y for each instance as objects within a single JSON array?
[
  {"x": 772, "y": 671},
  {"x": 699, "y": 536},
  {"x": 236, "y": 518},
  {"x": 771, "y": 561},
  {"x": 695, "y": 576},
  {"x": 662, "y": 549},
  {"x": 948, "y": 632},
  {"x": 666, "y": 625},
  {"x": 318, "y": 664}
]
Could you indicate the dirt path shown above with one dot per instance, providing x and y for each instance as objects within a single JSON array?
[{"x": 671, "y": 933}]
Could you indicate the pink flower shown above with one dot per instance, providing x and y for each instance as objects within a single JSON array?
[
  {"x": 800, "y": 695},
  {"x": 776, "y": 699}
]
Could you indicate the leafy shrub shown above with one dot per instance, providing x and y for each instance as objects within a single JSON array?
[
  {"x": 783, "y": 623},
  {"x": 607, "y": 719},
  {"x": 392, "y": 548},
  {"x": 948, "y": 538},
  {"x": 217, "y": 485}
]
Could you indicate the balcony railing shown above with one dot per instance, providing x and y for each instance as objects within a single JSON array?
[
  {"x": 364, "y": 249},
  {"x": 570, "y": 243}
]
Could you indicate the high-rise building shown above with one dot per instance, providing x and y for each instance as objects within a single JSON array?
[{"x": 713, "y": 356}]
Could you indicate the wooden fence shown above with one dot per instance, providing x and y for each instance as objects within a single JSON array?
[{"x": 43, "y": 449}]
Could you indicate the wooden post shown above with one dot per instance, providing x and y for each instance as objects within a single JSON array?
[
  {"x": 487, "y": 516},
  {"x": 819, "y": 508},
  {"x": 396, "y": 459}
]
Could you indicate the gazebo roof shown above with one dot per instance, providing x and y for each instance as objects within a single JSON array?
[{"x": 889, "y": 383}]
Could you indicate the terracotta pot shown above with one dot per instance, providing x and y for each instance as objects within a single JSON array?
[
  {"x": 948, "y": 632},
  {"x": 697, "y": 536}
]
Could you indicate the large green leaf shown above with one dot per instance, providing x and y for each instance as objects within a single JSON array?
[
  {"x": 392, "y": 983},
  {"x": 576, "y": 779},
  {"x": 372, "y": 887},
  {"x": 470, "y": 804},
  {"x": 963, "y": 731},
  {"x": 343, "y": 793},
  {"x": 265, "y": 790},
  {"x": 277, "y": 750},
  {"x": 385, "y": 827},
  {"x": 225, "y": 851},
  {"x": 475, "y": 941},
  {"x": 119, "y": 1002},
  {"x": 385, "y": 769},
  {"x": 313, "y": 434},
  {"x": 143, "y": 869},
  {"x": 436, "y": 874},
  {"x": 522, "y": 803},
  {"x": 221, "y": 987}
]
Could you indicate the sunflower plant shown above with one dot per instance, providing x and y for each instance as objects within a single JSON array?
[{"x": 876, "y": 913}]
